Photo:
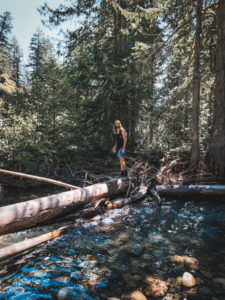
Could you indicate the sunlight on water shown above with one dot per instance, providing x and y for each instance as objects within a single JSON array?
[{"x": 112, "y": 255}]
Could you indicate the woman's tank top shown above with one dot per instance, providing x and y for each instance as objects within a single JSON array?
[{"x": 119, "y": 140}]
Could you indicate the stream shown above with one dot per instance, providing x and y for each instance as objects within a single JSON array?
[{"x": 117, "y": 253}]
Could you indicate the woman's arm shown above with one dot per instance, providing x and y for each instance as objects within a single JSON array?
[{"x": 115, "y": 146}]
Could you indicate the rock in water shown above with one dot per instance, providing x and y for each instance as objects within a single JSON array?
[
  {"x": 72, "y": 293},
  {"x": 137, "y": 295},
  {"x": 219, "y": 280},
  {"x": 63, "y": 293},
  {"x": 156, "y": 287},
  {"x": 188, "y": 280},
  {"x": 204, "y": 290},
  {"x": 206, "y": 273}
]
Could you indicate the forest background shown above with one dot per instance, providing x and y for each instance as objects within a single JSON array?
[{"x": 158, "y": 66}]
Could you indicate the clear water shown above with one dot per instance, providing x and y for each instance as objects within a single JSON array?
[{"x": 111, "y": 256}]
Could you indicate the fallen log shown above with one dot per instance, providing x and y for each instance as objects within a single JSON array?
[
  {"x": 43, "y": 179},
  {"x": 29, "y": 213},
  {"x": 191, "y": 190},
  {"x": 99, "y": 207},
  {"x": 156, "y": 197},
  {"x": 17, "y": 248},
  {"x": 27, "y": 244}
]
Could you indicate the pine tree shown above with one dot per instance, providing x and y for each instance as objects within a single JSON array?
[
  {"x": 216, "y": 152},
  {"x": 40, "y": 51},
  {"x": 15, "y": 63},
  {"x": 195, "y": 150},
  {"x": 5, "y": 30}
]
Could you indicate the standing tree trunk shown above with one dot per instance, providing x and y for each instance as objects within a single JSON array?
[
  {"x": 216, "y": 152},
  {"x": 195, "y": 152},
  {"x": 149, "y": 138}
]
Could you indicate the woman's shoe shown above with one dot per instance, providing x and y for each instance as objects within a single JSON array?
[
  {"x": 125, "y": 173},
  {"x": 121, "y": 174}
]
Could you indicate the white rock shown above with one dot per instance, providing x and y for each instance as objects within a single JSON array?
[{"x": 188, "y": 280}]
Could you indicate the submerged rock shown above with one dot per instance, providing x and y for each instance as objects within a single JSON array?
[
  {"x": 219, "y": 280},
  {"x": 132, "y": 249},
  {"x": 94, "y": 278},
  {"x": 206, "y": 273},
  {"x": 124, "y": 236},
  {"x": 136, "y": 250},
  {"x": 178, "y": 282},
  {"x": 187, "y": 260},
  {"x": 204, "y": 290},
  {"x": 146, "y": 257},
  {"x": 155, "y": 287},
  {"x": 63, "y": 279},
  {"x": 90, "y": 257},
  {"x": 137, "y": 295},
  {"x": 171, "y": 297},
  {"x": 71, "y": 293},
  {"x": 221, "y": 267},
  {"x": 188, "y": 280}
]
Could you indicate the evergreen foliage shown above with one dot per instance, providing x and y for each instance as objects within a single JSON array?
[{"x": 128, "y": 60}]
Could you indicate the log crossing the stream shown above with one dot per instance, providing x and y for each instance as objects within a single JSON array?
[
  {"x": 27, "y": 244},
  {"x": 30, "y": 213},
  {"x": 191, "y": 190},
  {"x": 27, "y": 214}
]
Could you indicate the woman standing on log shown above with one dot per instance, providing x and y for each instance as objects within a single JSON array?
[{"x": 120, "y": 146}]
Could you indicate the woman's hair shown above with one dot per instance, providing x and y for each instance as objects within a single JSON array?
[{"x": 114, "y": 127}]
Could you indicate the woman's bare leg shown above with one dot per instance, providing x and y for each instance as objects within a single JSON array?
[{"x": 122, "y": 164}]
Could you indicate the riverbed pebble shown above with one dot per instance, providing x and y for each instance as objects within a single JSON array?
[
  {"x": 221, "y": 267},
  {"x": 206, "y": 273},
  {"x": 137, "y": 295},
  {"x": 188, "y": 280},
  {"x": 219, "y": 280},
  {"x": 64, "y": 293},
  {"x": 146, "y": 257},
  {"x": 178, "y": 282},
  {"x": 187, "y": 261},
  {"x": 124, "y": 236},
  {"x": 155, "y": 287},
  {"x": 204, "y": 290},
  {"x": 171, "y": 297}
]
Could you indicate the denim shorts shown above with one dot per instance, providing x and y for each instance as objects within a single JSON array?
[{"x": 120, "y": 154}]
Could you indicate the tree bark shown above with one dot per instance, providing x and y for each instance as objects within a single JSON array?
[
  {"x": 27, "y": 214},
  {"x": 216, "y": 153},
  {"x": 195, "y": 151}
]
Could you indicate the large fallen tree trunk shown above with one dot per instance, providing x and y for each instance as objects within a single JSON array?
[
  {"x": 191, "y": 190},
  {"x": 29, "y": 213}
]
